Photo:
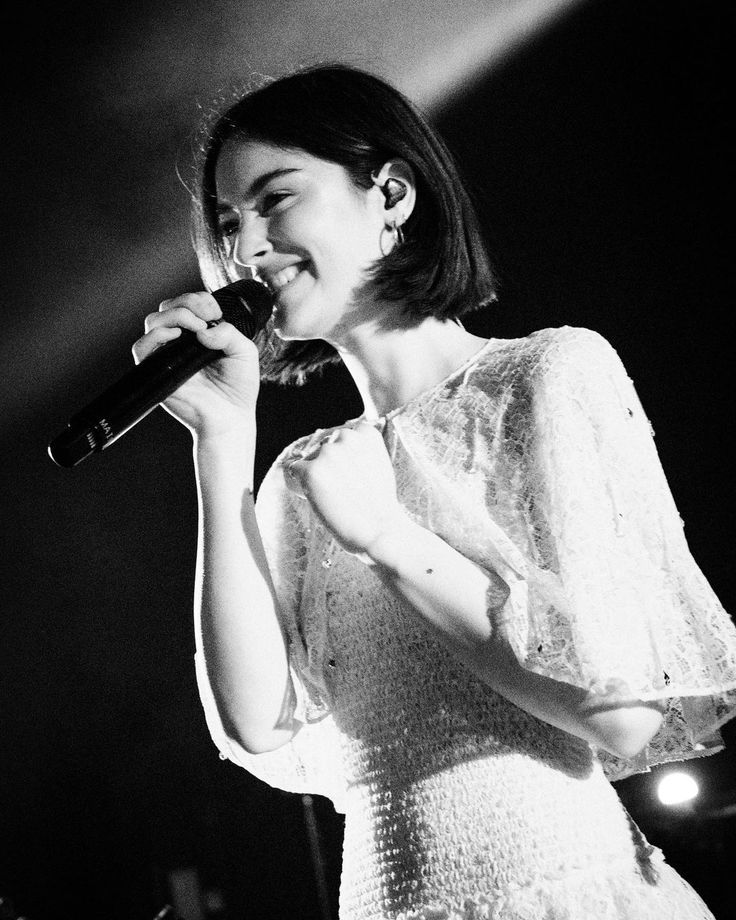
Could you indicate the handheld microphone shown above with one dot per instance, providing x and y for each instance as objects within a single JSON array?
[{"x": 246, "y": 304}]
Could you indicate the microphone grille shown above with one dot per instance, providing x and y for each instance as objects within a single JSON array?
[{"x": 246, "y": 304}]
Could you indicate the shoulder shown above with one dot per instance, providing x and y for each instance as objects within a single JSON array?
[
  {"x": 548, "y": 346},
  {"x": 584, "y": 357},
  {"x": 571, "y": 345},
  {"x": 577, "y": 373},
  {"x": 565, "y": 353},
  {"x": 558, "y": 372},
  {"x": 569, "y": 355}
]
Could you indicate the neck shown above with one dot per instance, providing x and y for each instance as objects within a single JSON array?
[{"x": 391, "y": 367}]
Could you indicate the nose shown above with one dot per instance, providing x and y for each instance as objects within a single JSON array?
[{"x": 251, "y": 242}]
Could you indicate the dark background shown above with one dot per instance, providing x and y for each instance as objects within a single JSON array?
[{"x": 597, "y": 151}]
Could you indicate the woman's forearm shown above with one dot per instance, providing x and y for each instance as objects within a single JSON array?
[
  {"x": 236, "y": 623},
  {"x": 459, "y": 599}
]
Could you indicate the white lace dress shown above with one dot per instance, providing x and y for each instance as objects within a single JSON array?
[{"x": 534, "y": 459}]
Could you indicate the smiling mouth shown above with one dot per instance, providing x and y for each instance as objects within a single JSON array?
[{"x": 281, "y": 279}]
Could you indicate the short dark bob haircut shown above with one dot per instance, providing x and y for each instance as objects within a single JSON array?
[{"x": 350, "y": 117}]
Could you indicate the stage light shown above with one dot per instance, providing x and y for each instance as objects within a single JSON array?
[{"x": 677, "y": 788}]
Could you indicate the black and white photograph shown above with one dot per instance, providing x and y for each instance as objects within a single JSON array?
[{"x": 368, "y": 504}]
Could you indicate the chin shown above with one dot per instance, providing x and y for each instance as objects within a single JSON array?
[
  {"x": 298, "y": 326},
  {"x": 287, "y": 333}
]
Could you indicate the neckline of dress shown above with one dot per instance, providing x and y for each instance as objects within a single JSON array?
[{"x": 380, "y": 420}]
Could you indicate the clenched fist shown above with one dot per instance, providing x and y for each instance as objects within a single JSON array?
[{"x": 350, "y": 483}]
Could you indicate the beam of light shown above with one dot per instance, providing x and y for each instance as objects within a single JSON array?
[
  {"x": 430, "y": 48},
  {"x": 474, "y": 52},
  {"x": 677, "y": 788}
]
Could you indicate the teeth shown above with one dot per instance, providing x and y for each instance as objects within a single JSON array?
[{"x": 282, "y": 278}]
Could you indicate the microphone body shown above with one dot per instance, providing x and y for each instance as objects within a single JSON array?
[{"x": 246, "y": 304}]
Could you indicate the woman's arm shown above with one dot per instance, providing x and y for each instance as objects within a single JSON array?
[
  {"x": 351, "y": 487},
  {"x": 237, "y": 626},
  {"x": 459, "y": 600}
]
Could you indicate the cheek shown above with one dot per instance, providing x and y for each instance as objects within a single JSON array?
[
  {"x": 355, "y": 243},
  {"x": 338, "y": 236},
  {"x": 292, "y": 231}
]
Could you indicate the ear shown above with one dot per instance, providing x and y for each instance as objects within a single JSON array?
[{"x": 396, "y": 183}]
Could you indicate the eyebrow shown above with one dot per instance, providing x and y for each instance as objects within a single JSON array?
[{"x": 260, "y": 183}]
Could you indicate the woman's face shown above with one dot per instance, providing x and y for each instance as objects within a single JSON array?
[{"x": 306, "y": 229}]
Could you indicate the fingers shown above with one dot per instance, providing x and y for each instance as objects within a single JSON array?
[
  {"x": 356, "y": 435},
  {"x": 148, "y": 343},
  {"x": 356, "y": 439},
  {"x": 330, "y": 438},
  {"x": 352, "y": 431},
  {"x": 359, "y": 436},
  {"x": 226, "y": 338},
  {"x": 346, "y": 476},
  {"x": 192, "y": 312},
  {"x": 200, "y": 304},
  {"x": 343, "y": 436}
]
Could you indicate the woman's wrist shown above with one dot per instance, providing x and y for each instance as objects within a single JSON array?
[
  {"x": 227, "y": 454},
  {"x": 234, "y": 439},
  {"x": 392, "y": 544}
]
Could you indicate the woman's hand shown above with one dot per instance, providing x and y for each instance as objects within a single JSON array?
[
  {"x": 350, "y": 483},
  {"x": 219, "y": 398}
]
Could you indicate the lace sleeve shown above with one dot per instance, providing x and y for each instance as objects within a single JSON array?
[
  {"x": 310, "y": 762},
  {"x": 620, "y": 607}
]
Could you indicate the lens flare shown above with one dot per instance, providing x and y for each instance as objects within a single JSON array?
[{"x": 677, "y": 788}]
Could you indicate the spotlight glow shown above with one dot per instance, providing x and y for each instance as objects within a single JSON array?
[{"x": 676, "y": 788}]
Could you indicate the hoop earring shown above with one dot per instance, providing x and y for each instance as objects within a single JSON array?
[{"x": 397, "y": 237}]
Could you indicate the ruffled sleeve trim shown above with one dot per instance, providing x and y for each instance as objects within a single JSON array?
[
  {"x": 609, "y": 598},
  {"x": 309, "y": 763}
]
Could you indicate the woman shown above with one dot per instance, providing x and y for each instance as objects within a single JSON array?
[{"x": 449, "y": 614}]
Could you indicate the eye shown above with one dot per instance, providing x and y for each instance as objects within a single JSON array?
[
  {"x": 228, "y": 227},
  {"x": 271, "y": 201}
]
